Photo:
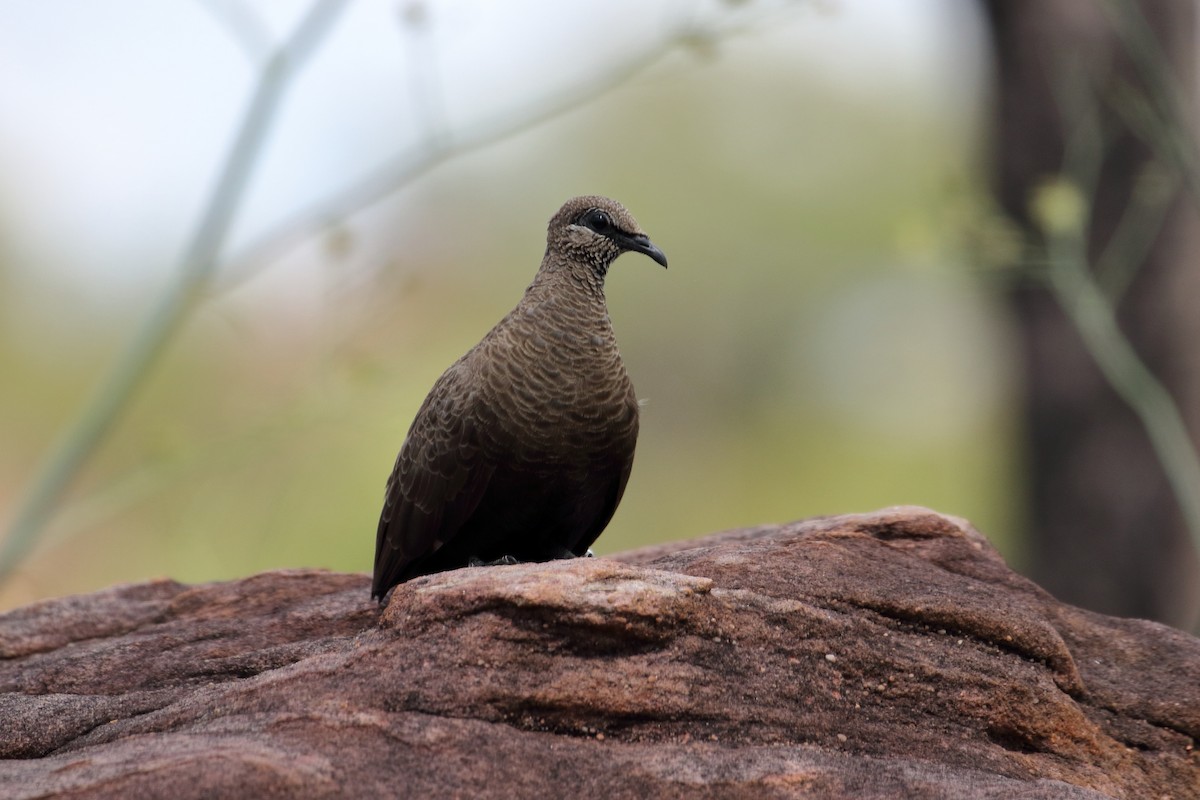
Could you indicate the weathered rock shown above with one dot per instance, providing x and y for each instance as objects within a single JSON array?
[{"x": 875, "y": 656}]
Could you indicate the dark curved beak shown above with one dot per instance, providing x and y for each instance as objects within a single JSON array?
[{"x": 640, "y": 243}]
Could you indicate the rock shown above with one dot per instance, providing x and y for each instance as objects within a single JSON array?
[{"x": 874, "y": 656}]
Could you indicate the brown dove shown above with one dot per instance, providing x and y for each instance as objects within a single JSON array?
[{"x": 522, "y": 449}]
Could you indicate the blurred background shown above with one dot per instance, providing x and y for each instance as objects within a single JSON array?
[{"x": 844, "y": 326}]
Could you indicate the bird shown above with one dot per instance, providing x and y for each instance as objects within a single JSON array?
[{"x": 522, "y": 449}]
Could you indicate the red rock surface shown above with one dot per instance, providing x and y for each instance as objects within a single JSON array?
[{"x": 875, "y": 656}]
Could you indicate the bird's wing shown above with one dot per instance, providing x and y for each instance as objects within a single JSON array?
[
  {"x": 612, "y": 493},
  {"x": 440, "y": 476}
]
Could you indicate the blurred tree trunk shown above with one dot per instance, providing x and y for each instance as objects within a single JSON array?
[{"x": 1105, "y": 529}]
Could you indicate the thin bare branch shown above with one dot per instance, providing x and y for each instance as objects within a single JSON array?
[
  {"x": 1171, "y": 132},
  {"x": 1088, "y": 293},
  {"x": 425, "y": 84},
  {"x": 243, "y": 26},
  {"x": 196, "y": 267},
  {"x": 195, "y": 276},
  {"x": 1092, "y": 314},
  {"x": 442, "y": 146},
  {"x": 1136, "y": 231}
]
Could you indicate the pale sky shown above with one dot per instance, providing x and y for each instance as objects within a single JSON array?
[{"x": 114, "y": 114}]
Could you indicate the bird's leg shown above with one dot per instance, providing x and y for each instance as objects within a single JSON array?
[
  {"x": 502, "y": 561},
  {"x": 475, "y": 561},
  {"x": 566, "y": 552}
]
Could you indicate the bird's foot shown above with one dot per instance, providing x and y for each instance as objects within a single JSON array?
[
  {"x": 565, "y": 553},
  {"x": 475, "y": 561},
  {"x": 499, "y": 562}
]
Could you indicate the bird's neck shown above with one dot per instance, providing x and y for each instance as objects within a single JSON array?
[
  {"x": 566, "y": 305},
  {"x": 572, "y": 279}
]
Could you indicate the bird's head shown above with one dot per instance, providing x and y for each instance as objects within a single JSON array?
[{"x": 594, "y": 230}]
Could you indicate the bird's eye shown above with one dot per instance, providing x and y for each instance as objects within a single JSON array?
[{"x": 599, "y": 221}]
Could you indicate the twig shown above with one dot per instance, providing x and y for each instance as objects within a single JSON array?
[
  {"x": 196, "y": 268},
  {"x": 424, "y": 71},
  {"x": 1172, "y": 136},
  {"x": 243, "y": 26},
  {"x": 1136, "y": 232},
  {"x": 1089, "y": 296},
  {"x": 1089, "y": 309},
  {"x": 196, "y": 275},
  {"x": 439, "y": 146}
]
